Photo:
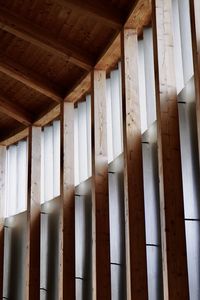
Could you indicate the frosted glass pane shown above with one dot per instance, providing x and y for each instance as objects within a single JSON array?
[
  {"x": 116, "y": 112},
  {"x": 48, "y": 163},
  {"x": 42, "y": 167},
  {"x": 56, "y": 158},
  {"x": 22, "y": 174},
  {"x": 82, "y": 141},
  {"x": 11, "y": 182},
  {"x": 177, "y": 47},
  {"x": 76, "y": 151},
  {"x": 186, "y": 42},
  {"x": 149, "y": 76},
  {"x": 109, "y": 121},
  {"x": 89, "y": 144},
  {"x": 142, "y": 90}
]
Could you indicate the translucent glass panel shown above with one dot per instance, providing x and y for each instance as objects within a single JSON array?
[
  {"x": 49, "y": 247},
  {"x": 16, "y": 179},
  {"x": 182, "y": 43},
  {"x": 83, "y": 241},
  {"x": 114, "y": 114},
  {"x": 191, "y": 179},
  {"x": 152, "y": 213},
  {"x": 15, "y": 253},
  {"x": 146, "y": 80},
  {"x": 82, "y": 141},
  {"x": 50, "y": 162},
  {"x": 117, "y": 229}
]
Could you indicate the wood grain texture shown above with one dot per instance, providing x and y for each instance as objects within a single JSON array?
[
  {"x": 100, "y": 204},
  {"x": 140, "y": 15},
  {"x": 104, "y": 13},
  {"x": 12, "y": 110},
  {"x": 175, "y": 276},
  {"x": 195, "y": 30},
  {"x": 33, "y": 211},
  {"x": 28, "y": 78},
  {"x": 2, "y": 201},
  {"x": 133, "y": 176},
  {"x": 79, "y": 90},
  {"x": 41, "y": 38},
  {"x": 67, "y": 215}
]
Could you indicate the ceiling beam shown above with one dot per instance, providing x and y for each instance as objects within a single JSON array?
[
  {"x": 28, "y": 78},
  {"x": 41, "y": 38},
  {"x": 14, "y": 111},
  {"x": 105, "y": 13}
]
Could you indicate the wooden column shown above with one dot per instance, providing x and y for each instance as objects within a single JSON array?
[
  {"x": 136, "y": 266},
  {"x": 67, "y": 263},
  {"x": 195, "y": 29},
  {"x": 100, "y": 205},
  {"x": 175, "y": 277},
  {"x": 33, "y": 211},
  {"x": 2, "y": 201}
]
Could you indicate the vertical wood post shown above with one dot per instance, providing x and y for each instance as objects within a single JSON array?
[
  {"x": 175, "y": 278},
  {"x": 195, "y": 30},
  {"x": 67, "y": 229},
  {"x": 100, "y": 204},
  {"x": 136, "y": 266},
  {"x": 2, "y": 201},
  {"x": 33, "y": 211}
]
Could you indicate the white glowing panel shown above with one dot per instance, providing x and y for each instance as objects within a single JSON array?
[
  {"x": 22, "y": 179},
  {"x": 76, "y": 151},
  {"x": 89, "y": 141},
  {"x": 116, "y": 112},
  {"x": 109, "y": 121},
  {"x": 16, "y": 179},
  {"x": 82, "y": 141},
  {"x": 56, "y": 158},
  {"x": 142, "y": 86},
  {"x": 48, "y": 163},
  {"x": 149, "y": 77}
]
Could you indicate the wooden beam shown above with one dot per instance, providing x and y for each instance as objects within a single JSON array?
[
  {"x": 14, "y": 111},
  {"x": 103, "y": 12},
  {"x": 175, "y": 276},
  {"x": 2, "y": 202},
  {"x": 80, "y": 89},
  {"x": 33, "y": 211},
  {"x": 100, "y": 203},
  {"x": 133, "y": 174},
  {"x": 140, "y": 15},
  {"x": 195, "y": 31},
  {"x": 14, "y": 138},
  {"x": 28, "y": 78},
  {"x": 67, "y": 221},
  {"x": 40, "y": 37},
  {"x": 49, "y": 116}
]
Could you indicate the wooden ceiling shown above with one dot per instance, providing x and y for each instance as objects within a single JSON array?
[{"x": 46, "y": 48}]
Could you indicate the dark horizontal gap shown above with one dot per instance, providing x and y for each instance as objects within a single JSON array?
[
  {"x": 43, "y": 289},
  {"x": 153, "y": 245},
  {"x": 187, "y": 219},
  {"x": 43, "y": 213},
  {"x": 110, "y": 172},
  {"x": 115, "y": 264},
  {"x": 80, "y": 278},
  {"x": 77, "y": 195},
  {"x": 182, "y": 102},
  {"x": 5, "y": 298},
  {"x": 145, "y": 142}
]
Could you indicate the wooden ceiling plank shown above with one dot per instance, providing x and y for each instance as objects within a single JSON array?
[
  {"x": 105, "y": 13},
  {"x": 28, "y": 78},
  {"x": 41, "y": 38},
  {"x": 14, "y": 111}
]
